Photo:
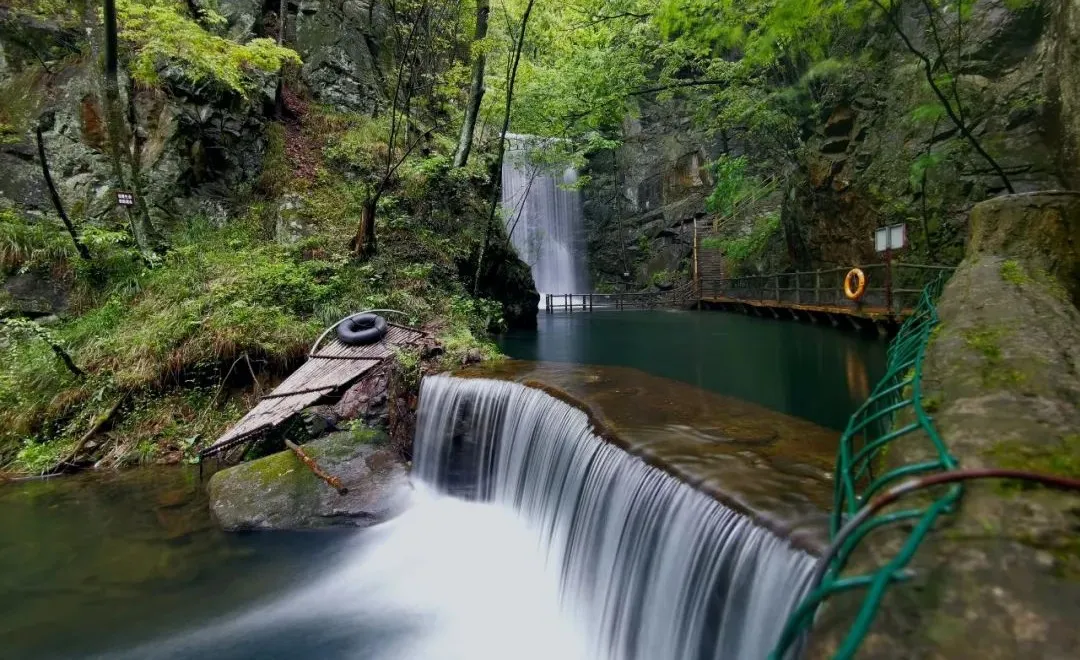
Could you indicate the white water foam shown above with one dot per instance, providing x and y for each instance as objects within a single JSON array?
[
  {"x": 529, "y": 538},
  {"x": 545, "y": 222}
]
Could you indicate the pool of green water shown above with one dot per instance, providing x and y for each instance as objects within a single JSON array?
[
  {"x": 96, "y": 563},
  {"x": 811, "y": 371}
]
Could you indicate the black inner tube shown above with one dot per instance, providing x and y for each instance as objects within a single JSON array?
[{"x": 362, "y": 329}]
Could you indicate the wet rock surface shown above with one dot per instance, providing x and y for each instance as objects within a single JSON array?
[
  {"x": 773, "y": 467},
  {"x": 280, "y": 492}
]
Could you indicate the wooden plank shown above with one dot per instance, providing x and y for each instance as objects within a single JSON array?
[{"x": 334, "y": 366}]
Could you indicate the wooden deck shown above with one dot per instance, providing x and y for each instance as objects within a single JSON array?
[
  {"x": 329, "y": 369},
  {"x": 870, "y": 313}
]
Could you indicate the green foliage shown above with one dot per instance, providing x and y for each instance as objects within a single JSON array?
[
  {"x": 158, "y": 33},
  {"x": 28, "y": 244},
  {"x": 731, "y": 181},
  {"x": 743, "y": 249},
  {"x": 1013, "y": 272},
  {"x": 922, "y": 166}
]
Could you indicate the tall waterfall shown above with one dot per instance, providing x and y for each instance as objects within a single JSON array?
[
  {"x": 544, "y": 221},
  {"x": 649, "y": 567}
]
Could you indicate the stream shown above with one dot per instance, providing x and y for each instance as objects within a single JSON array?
[{"x": 130, "y": 565}]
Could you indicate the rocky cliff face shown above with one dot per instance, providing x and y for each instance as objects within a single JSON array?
[
  {"x": 643, "y": 198},
  {"x": 861, "y": 161},
  {"x": 202, "y": 150}
]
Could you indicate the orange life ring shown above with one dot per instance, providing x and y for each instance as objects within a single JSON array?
[{"x": 855, "y": 290}]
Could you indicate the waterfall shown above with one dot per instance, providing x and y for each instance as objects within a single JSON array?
[
  {"x": 544, "y": 221},
  {"x": 648, "y": 567}
]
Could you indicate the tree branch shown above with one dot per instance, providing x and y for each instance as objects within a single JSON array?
[
  {"x": 928, "y": 70},
  {"x": 57, "y": 202}
]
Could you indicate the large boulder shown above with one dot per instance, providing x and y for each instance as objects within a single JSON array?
[
  {"x": 280, "y": 492},
  {"x": 1040, "y": 229},
  {"x": 1000, "y": 577}
]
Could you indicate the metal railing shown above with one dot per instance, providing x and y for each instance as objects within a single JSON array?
[
  {"x": 681, "y": 296},
  {"x": 894, "y": 410},
  {"x": 891, "y": 288}
]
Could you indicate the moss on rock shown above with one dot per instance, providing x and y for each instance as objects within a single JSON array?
[{"x": 280, "y": 492}]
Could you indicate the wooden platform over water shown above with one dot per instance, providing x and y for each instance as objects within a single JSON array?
[{"x": 330, "y": 368}]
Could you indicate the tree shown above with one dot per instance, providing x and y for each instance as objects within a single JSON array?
[
  {"x": 951, "y": 103},
  {"x": 141, "y": 227},
  {"x": 511, "y": 77},
  {"x": 420, "y": 53},
  {"x": 476, "y": 89}
]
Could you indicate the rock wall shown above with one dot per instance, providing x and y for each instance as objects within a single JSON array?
[
  {"x": 1063, "y": 86},
  {"x": 861, "y": 165},
  {"x": 1000, "y": 578},
  {"x": 643, "y": 198},
  {"x": 860, "y": 160}
]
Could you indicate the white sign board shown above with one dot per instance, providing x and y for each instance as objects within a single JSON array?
[{"x": 892, "y": 237}]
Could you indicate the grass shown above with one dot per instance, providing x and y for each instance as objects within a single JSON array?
[
  {"x": 226, "y": 305},
  {"x": 995, "y": 373},
  {"x": 1013, "y": 272}
]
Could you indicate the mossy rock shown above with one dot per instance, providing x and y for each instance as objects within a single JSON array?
[
  {"x": 1041, "y": 229},
  {"x": 280, "y": 492}
]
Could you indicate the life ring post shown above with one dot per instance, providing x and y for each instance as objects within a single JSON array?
[{"x": 855, "y": 284}]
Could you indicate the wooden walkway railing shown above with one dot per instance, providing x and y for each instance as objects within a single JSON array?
[{"x": 892, "y": 290}]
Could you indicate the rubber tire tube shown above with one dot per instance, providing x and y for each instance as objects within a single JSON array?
[{"x": 361, "y": 329}]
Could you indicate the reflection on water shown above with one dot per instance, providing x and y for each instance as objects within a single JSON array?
[
  {"x": 857, "y": 378},
  {"x": 795, "y": 368},
  {"x": 96, "y": 560}
]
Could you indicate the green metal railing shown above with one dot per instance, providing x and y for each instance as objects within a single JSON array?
[{"x": 894, "y": 410}]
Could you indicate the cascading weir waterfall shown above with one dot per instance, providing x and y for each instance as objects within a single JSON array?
[
  {"x": 544, "y": 221},
  {"x": 650, "y": 568}
]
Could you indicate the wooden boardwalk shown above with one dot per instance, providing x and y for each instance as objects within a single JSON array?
[
  {"x": 330, "y": 368},
  {"x": 892, "y": 291}
]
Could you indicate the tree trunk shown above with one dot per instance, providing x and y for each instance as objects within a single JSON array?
[
  {"x": 57, "y": 202},
  {"x": 115, "y": 120},
  {"x": 476, "y": 90},
  {"x": 495, "y": 189},
  {"x": 364, "y": 244}
]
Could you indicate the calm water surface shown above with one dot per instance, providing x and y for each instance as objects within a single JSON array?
[
  {"x": 101, "y": 562},
  {"x": 810, "y": 371}
]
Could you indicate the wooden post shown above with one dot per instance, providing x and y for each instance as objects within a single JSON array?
[
  {"x": 798, "y": 288},
  {"x": 817, "y": 286},
  {"x": 888, "y": 281},
  {"x": 590, "y": 302},
  {"x": 776, "y": 285}
]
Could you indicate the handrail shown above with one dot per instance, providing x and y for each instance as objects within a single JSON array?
[{"x": 899, "y": 392}]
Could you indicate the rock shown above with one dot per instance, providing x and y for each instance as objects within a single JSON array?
[
  {"x": 841, "y": 122},
  {"x": 836, "y": 145},
  {"x": 1063, "y": 85},
  {"x": 320, "y": 420},
  {"x": 291, "y": 219},
  {"x": 280, "y": 492},
  {"x": 36, "y": 294},
  {"x": 1041, "y": 229},
  {"x": 345, "y": 59},
  {"x": 242, "y": 15},
  {"x": 1001, "y": 577},
  {"x": 507, "y": 279},
  {"x": 366, "y": 400}
]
